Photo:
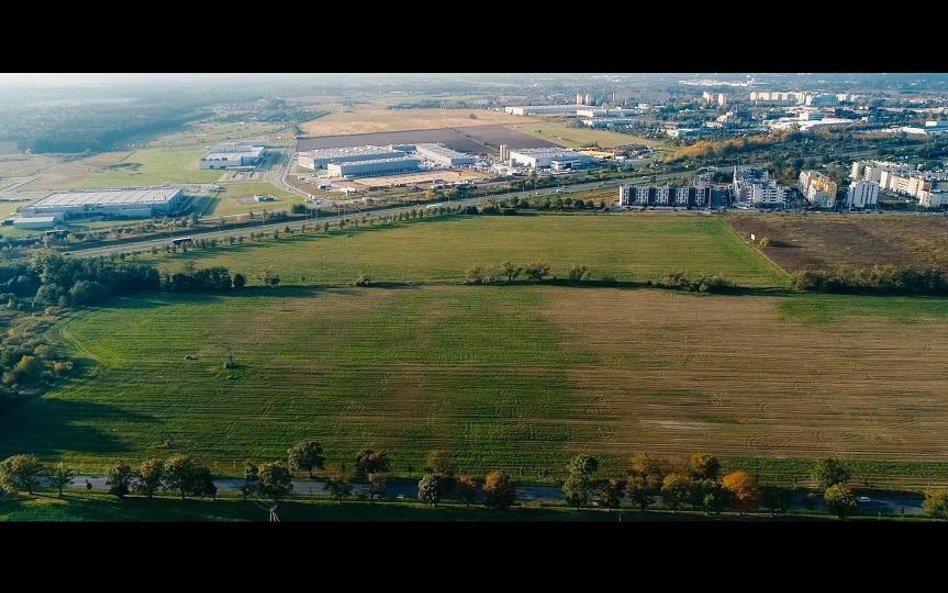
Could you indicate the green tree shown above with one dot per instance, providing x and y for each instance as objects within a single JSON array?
[
  {"x": 149, "y": 476},
  {"x": 702, "y": 466},
  {"x": 775, "y": 498},
  {"x": 60, "y": 477},
  {"x": 179, "y": 474},
  {"x": 579, "y": 483},
  {"x": 276, "y": 481},
  {"x": 829, "y": 472},
  {"x": 578, "y": 274},
  {"x": 339, "y": 481},
  {"x": 239, "y": 279},
  {"x": 306, "y": 456},
  {"x": 251, "y": 479},
  {"x": 440, "y": 463},
  {"x": 611, "y": 492},
  {"x": 377, "y": 482},
  {"x": 840, "y": 500},
  {"x": 119, "y": 478},
  {"x": 363, "y": 281},
  {"x": 510, "y": 271},
  {"x": 430, "y": 489},
  {"x": 936, "y": 503},
  {"x": 499, "y": 490},
  {"x": 537, "y": 271},
  {"x": 369, "y": 461},
  {"x": 467, "y": 488},
  {"x": 21, "y": 472},
  {"x": 676, "y": 490}
]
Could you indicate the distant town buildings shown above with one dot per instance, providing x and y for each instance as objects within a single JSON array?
[
  {"x": 753, "y": 185},
  {"x": 930, "y": 188},
  {"x": 862, "y": 194},
  {"x": 541, "y": 110},
  {"x": 818, "y": 190},
  {"x": 235, "y": 155}
]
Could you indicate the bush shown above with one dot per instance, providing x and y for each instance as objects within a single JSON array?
[
  {"x": 363, "y": 280},
  {"x": 679, "y": 281},
  {"x": 875, "y": 279}
]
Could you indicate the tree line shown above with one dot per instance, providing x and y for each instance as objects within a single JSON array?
[
  {"x": 694, "y": 482},
  {"x": 879, "y": 279}
]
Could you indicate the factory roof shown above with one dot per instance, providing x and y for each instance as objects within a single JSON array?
[
  {"x": 325, "y": 153},
  {"x": 138, "y": 196},
  {"x": 546, "y": 152},
  {"x": 440, "y": 149},
  {"x": 398, "y": 159}
]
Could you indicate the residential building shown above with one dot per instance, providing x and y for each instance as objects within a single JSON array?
[
  {"x": 862, "y": 194},
  {"x": 818, "y": 189},
  {"x": 752, "y": 185}
]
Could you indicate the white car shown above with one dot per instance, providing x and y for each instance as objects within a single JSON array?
[{"x": 863, "y": 499}]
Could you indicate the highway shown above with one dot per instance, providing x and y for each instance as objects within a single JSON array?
[{"x": 133, "y": 246}]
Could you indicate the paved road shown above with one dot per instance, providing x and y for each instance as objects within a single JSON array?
[
  {"x": 885, "y": 505},
  {"x": 133, "y": 246}
]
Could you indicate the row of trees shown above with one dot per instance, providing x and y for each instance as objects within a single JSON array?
[
  {"x": 509, "y": 272},
  {"x": 695, "y": 481},
  {"x": 883, "y": 279}
]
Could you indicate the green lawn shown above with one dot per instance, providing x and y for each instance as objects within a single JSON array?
[
  {"x": 153, "y": 166},
  {"x": 628, "y": 247},
  {"x": 225, "y": 203}
]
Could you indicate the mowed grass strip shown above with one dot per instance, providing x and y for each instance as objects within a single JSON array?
[{"x": 626, "y": 247}]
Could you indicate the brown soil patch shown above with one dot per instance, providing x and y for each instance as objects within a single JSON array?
[
  {"x": 809, "y": 242},
  {"x": 374, "y": 119}
]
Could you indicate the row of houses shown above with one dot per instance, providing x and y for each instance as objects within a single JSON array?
[{"x": 683, "y": 196}]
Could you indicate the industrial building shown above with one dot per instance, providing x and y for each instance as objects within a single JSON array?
[
  {"x": 557, "y": 159},
  {"x": 374, "y": 167},
  {"x": 817, "y": 188},
  {"x": 753, "y": 185},
  {"x": 541, "y": 109},
  {"x": 609, "y": 122},
  {"x": 862, "y": 194},
  {"x": 600, "y": 112},
  {"x": 321, "y": 157},
  {"x": 236, "y": 155},
  {"x": 122, "y": 203},
  {"x": 443, "y": 155}
]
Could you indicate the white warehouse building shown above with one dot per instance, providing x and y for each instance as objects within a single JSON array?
[
  {"x": 322, "y": 157},
  {"x": 233, "y": 156},
  {"x": 374, "y": 167},
  {"x": 549, "y": 158},
  {"x": 443, "y": 155},
  {"x": 123, "y": 203}
]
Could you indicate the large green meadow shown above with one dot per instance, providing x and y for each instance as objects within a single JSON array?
[{"x": 625, "y": 247}]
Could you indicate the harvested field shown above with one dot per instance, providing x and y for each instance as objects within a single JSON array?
[
  {"x": 479, "y": 140},
  {"x": 816, "y": 241},
  {"x": 374, "y": 119},
  {"x": 72, "y": 173}
]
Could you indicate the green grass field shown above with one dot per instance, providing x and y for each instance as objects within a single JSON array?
[
  {"x": 225, "y": 203},
  {"x": 628, "y": 247},
  {"x": 153, "y": 166}
]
